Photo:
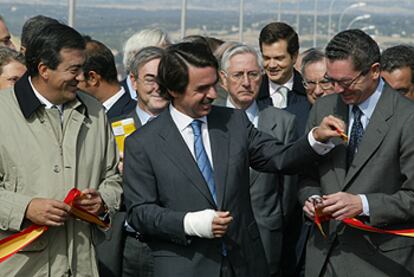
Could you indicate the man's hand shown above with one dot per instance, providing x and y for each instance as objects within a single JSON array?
[
  {"x": 91, "y": 201},
  {"x": 121, "y": 162},
  {"x": 342, "y": 205},
  {"x": 220, "y": 223},
  {"x": 330, "y": 127},
  {"x": 47, "y": 212},
  {"x": 311, "y": 204}
]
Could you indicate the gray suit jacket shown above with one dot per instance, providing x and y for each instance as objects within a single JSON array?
[
  {"x": 163, "y": 182},
  {"x": 383, "y": 170},
  {"x": 273, "y": 194}
]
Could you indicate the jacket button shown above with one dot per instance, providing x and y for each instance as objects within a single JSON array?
[{"x": 56, "y": 169}]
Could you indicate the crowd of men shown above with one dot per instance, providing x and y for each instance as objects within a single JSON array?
[{"x": 237, "y": 153}]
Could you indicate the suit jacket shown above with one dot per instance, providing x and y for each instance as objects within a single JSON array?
[
  {"x": 163, "y": 182},
  {"x": 110, "y": 251},
  {"x": 124, "y": 105},
  {"x": 272, "y": 194},
  {"x": 383, "y": 170},
  {"x": 298, "y": 103}
]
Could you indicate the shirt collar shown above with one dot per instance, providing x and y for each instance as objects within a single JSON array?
[
  {"x": 273, "y": 86},
  {"x": 143, "y": 115},
  {"x": 368, "y": 106},
  {"x": 251, "y": 111},
  {"x": 113, "y": 99},
  {"x": 132, "y": 90},
  {"x": 182, "y": 120},
  {"x": 42, "y": 99}
]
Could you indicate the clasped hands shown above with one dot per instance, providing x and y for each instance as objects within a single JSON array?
[
  {"x": 337, "y": 206},
  {"x": 51, "y": 212}
]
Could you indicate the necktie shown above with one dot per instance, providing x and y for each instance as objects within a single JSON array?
[
  {"x": 357, "y": 132},
  {"x": 279, "y": 98},
  {"x": 202, "y": 158}
]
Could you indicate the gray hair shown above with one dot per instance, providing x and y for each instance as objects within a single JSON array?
[
  {"x": 312, "y": 55},
  {"x": 8, "y": 55},
  {"x": 144, "y": 38},
  {"x": 237, "y": 49},
  {"x": 144, "y": 56}
]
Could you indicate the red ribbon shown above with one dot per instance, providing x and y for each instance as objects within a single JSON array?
[{"x": 12, "y": 244}]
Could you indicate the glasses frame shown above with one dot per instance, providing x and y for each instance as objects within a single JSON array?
[
  {"x": 248, "y": 73},
  {"x": 346, "y": 83},
  {"x": 313, "y": 84}
]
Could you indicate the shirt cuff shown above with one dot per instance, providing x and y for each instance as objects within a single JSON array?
[
  {"x": 365, "y": 206},
  {"x": 319, "y": 147}
]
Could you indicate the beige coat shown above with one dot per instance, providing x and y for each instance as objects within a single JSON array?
[{"x": 39, "y": 159}]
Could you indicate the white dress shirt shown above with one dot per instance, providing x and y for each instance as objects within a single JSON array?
[
  {"x": 280, "y": 97},
  {"x": 112, "y": 100},
  {"x": 183, "y": 123},
  {"x": 44, "y": 101},
  {"x": 252, "y": 111}
]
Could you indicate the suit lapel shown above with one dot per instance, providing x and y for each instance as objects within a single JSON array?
[
  {"x": 180, "y": 155},
  {"x": 339, "y": 157},
  {"x": 374, "y": 134},
  {"x": 219, "y": 141},
  {"x": 265, "y": 124}
]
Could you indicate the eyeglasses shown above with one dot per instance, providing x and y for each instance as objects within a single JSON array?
[
  {"x": 324, "y": 84},
  {"x": 345, "y": 83},
  {"x": 238, "y": 76}
]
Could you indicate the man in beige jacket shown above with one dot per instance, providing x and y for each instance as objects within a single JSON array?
[{"x": 54, "y": 138}]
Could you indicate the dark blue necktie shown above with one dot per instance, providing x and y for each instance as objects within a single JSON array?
[
  {"x": 202, "y": 158},
  {"x": 357, "y": 132}
]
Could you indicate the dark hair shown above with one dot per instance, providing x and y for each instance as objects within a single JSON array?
[
  {"x": 100, "y": 59},
  {"x": 312, "y": 55},
  {"x": 354, "y": 44},
  {"x": 275, "y": 31},
  {"x": 46, "y": 46},
  {"x": 32, "y": 27},
  {"x": 173, "y": 69},
  {"x": 397, "y": 57}
]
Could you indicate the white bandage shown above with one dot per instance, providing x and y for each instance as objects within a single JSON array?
[{"x": 199, "y": 223}]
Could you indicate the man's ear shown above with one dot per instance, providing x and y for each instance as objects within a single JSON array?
[
  {"x": 43, "y": 71},
  {"x": 133, "y": 81},
  {"x": 223, "y": 80},
  {"x": 94, "y": 78}
]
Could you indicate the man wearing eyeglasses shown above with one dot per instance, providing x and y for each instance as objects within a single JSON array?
[
  {"x": 370, "y": 177},
  {"x": 313, "y": 70},
  {"x": 130, "y": 256},
  {"x": 5, "y": 37},
  {"x": 241, "y": 75}
]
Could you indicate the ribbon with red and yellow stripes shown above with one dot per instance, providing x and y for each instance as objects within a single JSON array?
[
  {"x": 356, "y": 223},
  {"x": 12, "y": 244}
]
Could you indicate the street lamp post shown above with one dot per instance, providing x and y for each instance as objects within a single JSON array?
[
  {"x": 298, "y": 17},
  {"x": 358, "y": 18},
  {"x": 330, "y": 19},
  {"x": 353, "y": 6},
  {"x": 183, "y": 17},
  {"x": 71, "y": 13},
  {"x": 315, "y": 22},
  {"x": 241, "y": 15},
  {"x": 368, "y": 28},
  {"x": 279, "y": 11}
]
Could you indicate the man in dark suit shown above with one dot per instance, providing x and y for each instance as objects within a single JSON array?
[
  {"x": 186, "y": 174},
  {"x": 240, "y": 76},
  {"x": 100, "y": 80},
  {"x": 128, "y": 255},
  {"x": 282, "y": 85},
  {"x": 371, "y": 178},
  {"x": 283, "y": 88}
]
